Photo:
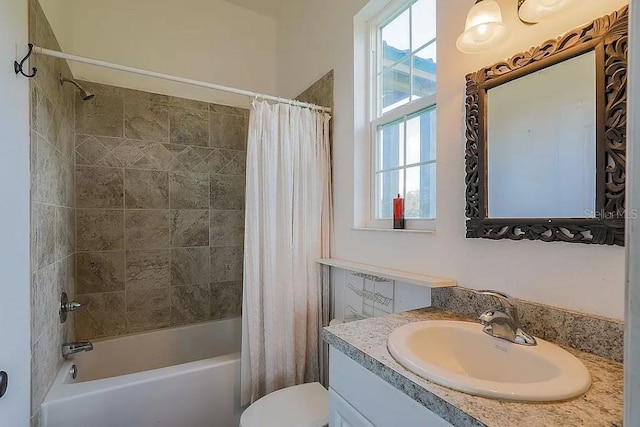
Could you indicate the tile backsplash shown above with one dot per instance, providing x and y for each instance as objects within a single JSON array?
[{"x": 160, "y": 210}]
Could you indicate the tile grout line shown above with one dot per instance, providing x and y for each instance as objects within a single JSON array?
[
  {"x": 169, "y": 142},
  {"x": 75, "y": 218},
  {"x": 210, "y": 230},
  {"x": 170, "y": 238},
  {"x": 124, "y": 240}
]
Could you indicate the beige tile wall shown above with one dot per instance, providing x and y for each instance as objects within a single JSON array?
[
  {"x": 321, "y": 92},
  {"x": 160, "y": 200},
  {"x": 52, "y": 209}
]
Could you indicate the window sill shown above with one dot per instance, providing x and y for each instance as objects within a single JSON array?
[{"x": 393, "y": 230}]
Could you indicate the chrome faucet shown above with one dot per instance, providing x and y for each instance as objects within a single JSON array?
[
  {"x": 503, "y": 321},
  {"x": 70, "y": 348}
]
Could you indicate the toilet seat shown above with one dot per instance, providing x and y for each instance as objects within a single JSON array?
[{"x": 305, "y": 405}]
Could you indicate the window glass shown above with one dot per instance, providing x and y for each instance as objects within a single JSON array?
[
  {"x": 423, "y": 22},
  {"x": 391, "y": 146},
  {"x": 424, "y": 72},
  {"x": 396, "y": 34},
  {"x": 421, "y": 137},
  {"x": 396, "y": 85},
  {"x": 389, "y": 185},
  {"x": 405, "y": 148},
  {"x": 405, "y": 165}
]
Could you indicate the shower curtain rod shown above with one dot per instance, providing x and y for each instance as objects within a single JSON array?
[{"x": 140, "y": 71}]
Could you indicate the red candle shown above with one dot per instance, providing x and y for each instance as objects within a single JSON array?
[{"x": 398, "y": 213}]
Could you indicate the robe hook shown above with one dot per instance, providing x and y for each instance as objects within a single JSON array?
[{"x": 18, "y": 66}]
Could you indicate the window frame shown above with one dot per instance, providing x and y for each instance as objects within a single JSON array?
[{"x": 377, "y": 118}]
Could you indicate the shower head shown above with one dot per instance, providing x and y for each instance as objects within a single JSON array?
[{"x": 83, "y": 93}]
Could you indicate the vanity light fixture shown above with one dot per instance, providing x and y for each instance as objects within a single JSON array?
[
  {"x": 534, "y": 11},
  {"x": 484, "y": 28}
]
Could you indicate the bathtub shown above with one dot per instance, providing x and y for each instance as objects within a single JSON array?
[{"x": 180, "y": 377}]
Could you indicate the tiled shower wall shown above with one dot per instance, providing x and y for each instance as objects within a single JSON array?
[
  {"x": 321, "y": 92},
  {"x": 52, "y": 209},
  {"x": 160, "y": 211}
]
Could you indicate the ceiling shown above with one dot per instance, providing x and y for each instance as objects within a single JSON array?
[{"x": 265, "y": 7}]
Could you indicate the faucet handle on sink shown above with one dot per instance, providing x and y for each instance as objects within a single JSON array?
[
  {"x": 502, "y": 321},
  {"x": 503, "y": 299},
  {"x": 504, "y": 302}
]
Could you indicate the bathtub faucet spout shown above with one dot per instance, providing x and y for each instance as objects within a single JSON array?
[{"x": 70, "y": 348}]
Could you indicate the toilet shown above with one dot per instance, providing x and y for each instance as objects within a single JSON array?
[{"x": 305, "y": 405}]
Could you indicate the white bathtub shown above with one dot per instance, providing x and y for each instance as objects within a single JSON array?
[{"x": 179, "y": 377}]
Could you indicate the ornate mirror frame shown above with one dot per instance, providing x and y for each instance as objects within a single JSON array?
[{"x": 608, "y": 37}]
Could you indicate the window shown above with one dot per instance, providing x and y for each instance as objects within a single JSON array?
[{"x": 403, "y": 113}]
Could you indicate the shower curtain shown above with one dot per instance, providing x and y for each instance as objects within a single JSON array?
[{"x": 287, "y": 229}]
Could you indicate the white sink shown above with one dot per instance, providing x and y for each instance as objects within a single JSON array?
[{"x": 459, "y": 355}]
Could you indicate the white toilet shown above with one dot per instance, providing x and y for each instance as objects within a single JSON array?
[{"x": 305, "y": 405}]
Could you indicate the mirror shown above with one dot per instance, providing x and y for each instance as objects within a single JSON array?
[{"x": 546, "y": 140}]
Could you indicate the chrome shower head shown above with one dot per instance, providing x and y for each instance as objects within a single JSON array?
[
  {"x": 83, "y": 93},
  {"x": 87, "y": 95}
]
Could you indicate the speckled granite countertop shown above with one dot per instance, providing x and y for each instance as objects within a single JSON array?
[{"x": 365, "y": 341}]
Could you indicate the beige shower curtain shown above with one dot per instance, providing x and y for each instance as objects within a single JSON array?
[{"x": 287, "y": 229}]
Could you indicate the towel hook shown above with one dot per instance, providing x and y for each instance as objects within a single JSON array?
[{"x": 18, "y": 66}]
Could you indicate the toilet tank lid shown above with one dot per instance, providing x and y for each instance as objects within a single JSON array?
[{"x": 305, "y": 405}]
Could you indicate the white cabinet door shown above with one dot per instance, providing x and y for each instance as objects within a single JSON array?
[
  {"x": 14, "y": 245},
  {"x": 341, "y": 414},
  {"x": 380, "y": 403}
]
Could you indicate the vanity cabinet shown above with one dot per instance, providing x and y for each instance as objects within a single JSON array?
[
  {"x": 359, "y": 398},
  {"x": 344, "y": 415}
]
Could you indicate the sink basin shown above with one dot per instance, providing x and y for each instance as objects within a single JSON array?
[{"x": 459, "y": 355}]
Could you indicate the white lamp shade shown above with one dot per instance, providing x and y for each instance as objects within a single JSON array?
[
  {"x": 534, "y": 11},
  {"x": 484, "y": 28}
]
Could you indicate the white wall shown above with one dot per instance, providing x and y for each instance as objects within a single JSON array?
[
  {"x": 314, "y": 37},
  {"x": 15, "y": 314},
  {"x": 209, "y": 40}
]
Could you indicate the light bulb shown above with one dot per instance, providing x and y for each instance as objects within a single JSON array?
[
  {"x": 534, "y": 11},
  {"x": 484, "y": 28}
]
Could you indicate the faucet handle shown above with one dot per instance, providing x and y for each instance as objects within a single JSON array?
[
  {"x": 502, "y": 321},
  {"x": 66, "y": 306},
  {"x": 73, "y": 306},
  {"x": 503, "y": 301}
]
